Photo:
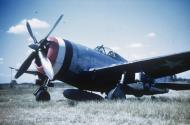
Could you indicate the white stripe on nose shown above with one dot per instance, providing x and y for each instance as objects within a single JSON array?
[{"x": 60, "y": 57}]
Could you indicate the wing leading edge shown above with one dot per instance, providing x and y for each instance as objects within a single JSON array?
[{"x": 155, "y": 67}]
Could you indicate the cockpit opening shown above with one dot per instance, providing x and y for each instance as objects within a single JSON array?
[{"x": 109, "y": 52}]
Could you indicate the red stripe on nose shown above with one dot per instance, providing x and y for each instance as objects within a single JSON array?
[{"x": 53, "y": 49}]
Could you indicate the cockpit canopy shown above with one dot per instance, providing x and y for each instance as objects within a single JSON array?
[{"x": 108, "y": 52}]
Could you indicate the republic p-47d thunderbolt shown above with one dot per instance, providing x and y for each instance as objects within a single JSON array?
[{"x": 99, "y": 70}]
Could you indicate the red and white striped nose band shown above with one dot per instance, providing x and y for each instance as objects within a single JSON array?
[{"x": 56, "y": 54}]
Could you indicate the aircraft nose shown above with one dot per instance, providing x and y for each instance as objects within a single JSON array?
[
  {"x": 60, "y": 53},
  {"x": 51, "y": 51},
  {"x": 56, "y": 53}
]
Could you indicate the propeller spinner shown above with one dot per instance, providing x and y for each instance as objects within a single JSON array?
[{"x": 38, "y": 53}]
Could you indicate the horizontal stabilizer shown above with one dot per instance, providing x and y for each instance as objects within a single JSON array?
[
  {"x": 173, "y": 85},
  {"x": 33, "y": 72}
]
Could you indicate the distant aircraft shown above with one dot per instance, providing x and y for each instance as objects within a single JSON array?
[{"x": 99, "y": 70}]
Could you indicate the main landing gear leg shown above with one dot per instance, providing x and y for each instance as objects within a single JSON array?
[
  {"x": 119, "y": 91},
  {"x": 42, "y": 94}
]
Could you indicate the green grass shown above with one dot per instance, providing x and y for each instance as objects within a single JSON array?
[{"x": 18, "y": 107}]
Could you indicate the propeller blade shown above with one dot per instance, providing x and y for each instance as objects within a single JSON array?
[
  {"x": 30, "y": 32},
  {"x": 42, "y": 42},
  {"x": 47, "y": 66},
  {"x": 25, "y": 65},
  {"x": 58, "y": 20}
]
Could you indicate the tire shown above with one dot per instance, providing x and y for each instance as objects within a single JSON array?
[{"x": 43, "y": 95}]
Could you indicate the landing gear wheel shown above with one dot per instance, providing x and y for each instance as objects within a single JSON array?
[{"x": 42, "y": 95}]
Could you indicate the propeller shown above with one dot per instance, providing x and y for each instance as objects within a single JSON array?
[
  {"x": 38, "y": 53},
  {"x": 26, "y": 64},
  {"x": 42, "y": 41},
  {"x": 30, "y": 32},
  {"x": 58, "y": 20},
  {"x": 47, "y": 66}
]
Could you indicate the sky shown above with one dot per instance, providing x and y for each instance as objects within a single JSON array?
[{"x": 136, "y": 29}]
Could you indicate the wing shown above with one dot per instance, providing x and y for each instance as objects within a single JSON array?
[
  {"x": 173, "y": 85},
  {"x": 155, "y": 67},
  {"x": 31, "y": 72}
]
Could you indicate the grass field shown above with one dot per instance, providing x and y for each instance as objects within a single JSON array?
[{"x": 18, "y": 107}]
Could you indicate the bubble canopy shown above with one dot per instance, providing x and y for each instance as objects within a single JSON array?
[{"x": 109, "y": 52}]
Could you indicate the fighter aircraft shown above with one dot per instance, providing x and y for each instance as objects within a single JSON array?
[{"x": 99, "y": 70}]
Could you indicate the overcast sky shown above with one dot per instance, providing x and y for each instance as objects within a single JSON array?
[{"x": 136, "y": 29}]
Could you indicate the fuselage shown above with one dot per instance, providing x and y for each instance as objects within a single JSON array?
[{"x": 71, "y": 63}]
